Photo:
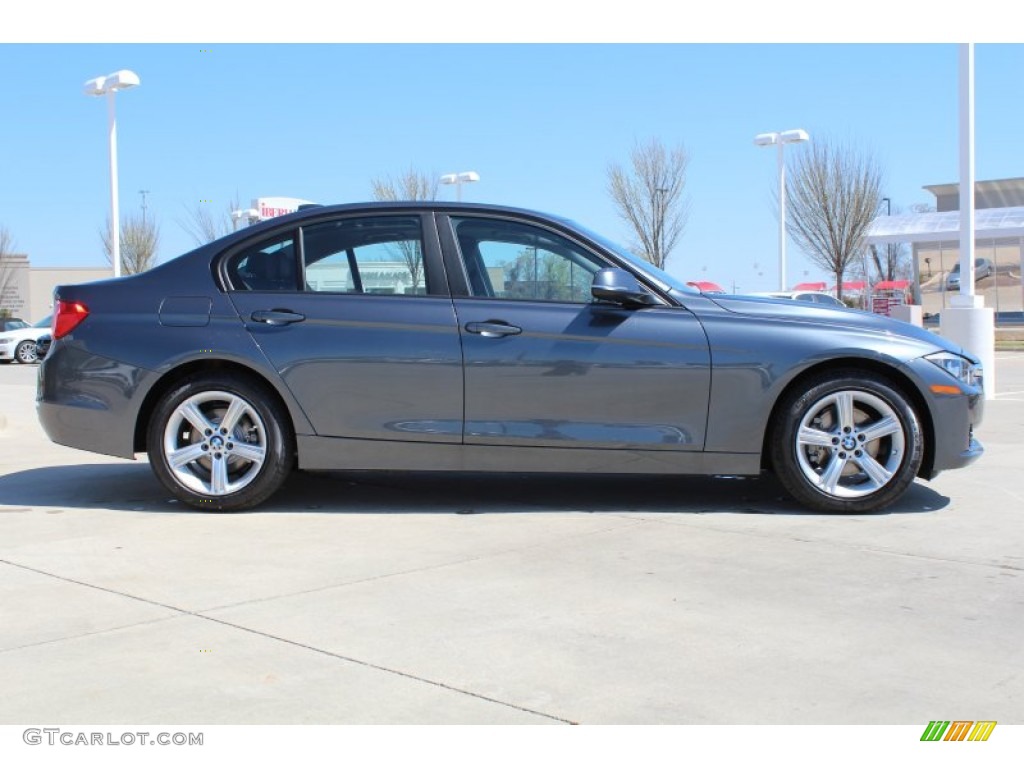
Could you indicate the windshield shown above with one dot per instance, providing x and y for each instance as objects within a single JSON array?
[
  {"x": 14, "y": 325},
  {"x": 660, "y": 276}
]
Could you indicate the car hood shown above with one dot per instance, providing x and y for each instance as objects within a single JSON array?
[{"x": 787, "y": 309}]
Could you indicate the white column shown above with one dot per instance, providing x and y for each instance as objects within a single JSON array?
[
  {"x": 967, "y": 321},
  {"x": 115, "y": 224}
]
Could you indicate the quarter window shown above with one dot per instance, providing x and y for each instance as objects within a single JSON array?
[
  {"x": 266, "y": 266},
  {"x": 511, "y": 260}
]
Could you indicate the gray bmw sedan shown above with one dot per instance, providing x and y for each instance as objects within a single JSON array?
[{"x": 438, "y": 336}]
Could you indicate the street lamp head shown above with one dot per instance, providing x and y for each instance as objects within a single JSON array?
[
  {"x": 116, "y": 81},
  {"x": 94, "y": 87},
  {"x": 794, "y": 136},
  {"x": 459, "y": 178},
  {"x": 766, "y": 139}
]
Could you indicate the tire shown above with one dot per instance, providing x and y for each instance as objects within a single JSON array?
[
  {"x": 25, "y": 352},
  {"x": 187, "y": 442},
  {"x": 850, "y": 441}
]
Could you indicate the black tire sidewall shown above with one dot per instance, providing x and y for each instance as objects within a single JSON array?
[
  {"x": 784, "y": 449},
  {"x": 280, "y": 456}
]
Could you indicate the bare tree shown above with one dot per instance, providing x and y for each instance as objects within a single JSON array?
[
  {"x": 409, "y": 185},
  {"x": 890, "y": 263},
  {"x": 206, "y": 226},
  {"x": 140, "y": 237},
  {"x": 648, "y": 195},
  {"x": 833, "y": 192}
]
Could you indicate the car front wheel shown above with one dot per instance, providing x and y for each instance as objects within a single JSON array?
[
  {"x": 220, "y": 442},
  {"x": 849, "y": 442}
]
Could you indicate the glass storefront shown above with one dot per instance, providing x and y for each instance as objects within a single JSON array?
[{"x": 997, "y": 269}]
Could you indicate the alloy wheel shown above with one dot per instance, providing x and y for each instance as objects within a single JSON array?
[
  {"x": 215, "y": 443},
  {"x": 850, "y": 444}
]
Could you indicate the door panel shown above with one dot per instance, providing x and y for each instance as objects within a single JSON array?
[
  {"x": 358, "y": 323},
  {"x": 545, "y": 365},
  {"x": 366, "y": 366},
  {"x": 590, "y": 375}
]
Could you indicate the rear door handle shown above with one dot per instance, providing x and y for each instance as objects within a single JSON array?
[
  {"x": 277, "y": 316},
  {"x": 493, "y": 329}
]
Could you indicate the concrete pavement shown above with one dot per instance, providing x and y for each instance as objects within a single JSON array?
[{"x": 388, "y": 598}]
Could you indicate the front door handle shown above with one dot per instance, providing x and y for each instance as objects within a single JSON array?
[
  {"x": 493, "y": 329},
  {"x": 277, "y": 316}
]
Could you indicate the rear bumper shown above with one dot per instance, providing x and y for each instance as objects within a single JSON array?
[{"x": 89, "y": 402}]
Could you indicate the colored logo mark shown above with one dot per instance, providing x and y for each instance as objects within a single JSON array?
[{"x": 958, "y": 730}]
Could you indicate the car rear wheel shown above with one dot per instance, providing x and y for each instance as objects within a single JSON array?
[
  {"x": 220, "y": 442},
  {"x": 848, "y": 442},
  {"x": 25, "y": 352}
]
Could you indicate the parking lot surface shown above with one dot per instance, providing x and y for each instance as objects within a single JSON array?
[{"x": 426, "y": 598}]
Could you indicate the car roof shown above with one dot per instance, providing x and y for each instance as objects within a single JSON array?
[
  {"x": 312, "y": 211},
  {"x": 315, "y": 211}
]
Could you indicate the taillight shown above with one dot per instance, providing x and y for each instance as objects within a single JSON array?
[{"x": 67, "y": 317}]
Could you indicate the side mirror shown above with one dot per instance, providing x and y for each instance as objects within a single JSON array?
[{"x": 619, "y": 287}]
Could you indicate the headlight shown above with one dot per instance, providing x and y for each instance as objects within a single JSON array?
[
  {"x": 960, "y": 368},
  {"x": 6, "y": 340}
]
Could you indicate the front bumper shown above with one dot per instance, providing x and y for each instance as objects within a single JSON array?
[{"x": 955, "y": 418}]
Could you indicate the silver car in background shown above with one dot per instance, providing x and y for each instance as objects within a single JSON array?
[{"x": 982, "y": 269}]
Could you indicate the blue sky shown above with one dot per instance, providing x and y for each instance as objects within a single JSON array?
[{"x": 539, "y": 123}]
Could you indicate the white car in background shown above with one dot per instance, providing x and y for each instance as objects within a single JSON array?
[
  {"x": 18, "y": 340},
  {"x": 812, "y": 297}
]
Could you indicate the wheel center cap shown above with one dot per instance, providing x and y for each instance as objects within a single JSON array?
[
  {"x": 849, "y": 443},
  {"x": 216, "y": 441}
]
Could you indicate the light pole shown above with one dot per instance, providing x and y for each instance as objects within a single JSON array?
[
  {"x": 888, "y": 247},
  {"x": 781, "y": 139},
  {"x": 108, "y": 86},
  {"x": 458, "y": 179}
]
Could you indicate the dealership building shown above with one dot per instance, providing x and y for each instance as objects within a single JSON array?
[
  {"x": 934, "y": 239},
  {"x": 27, "y": 291}
]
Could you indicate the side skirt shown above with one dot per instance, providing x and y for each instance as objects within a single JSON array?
[{"x": 327, "y": 453}]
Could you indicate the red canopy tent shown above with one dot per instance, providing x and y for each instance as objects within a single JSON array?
[
  {"x": 809, "y": 287},
  {"x": 892, "y": 285},
  {"x": 706, "y": 287},
  {"x": 857, "y": 285}
]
